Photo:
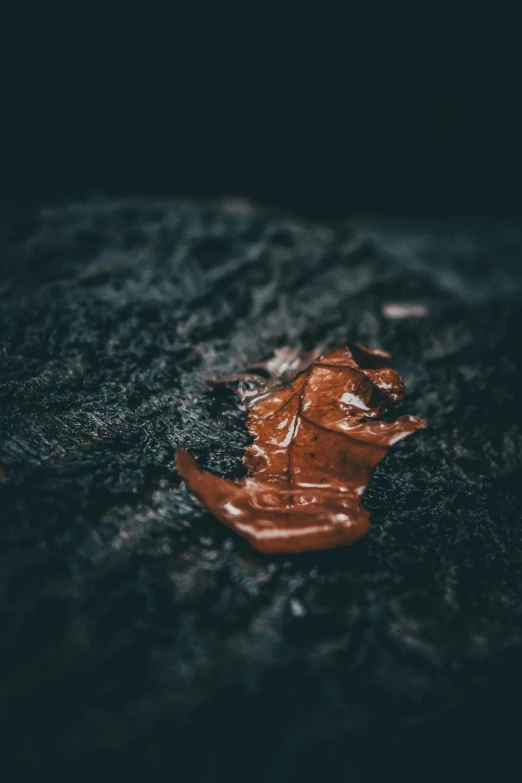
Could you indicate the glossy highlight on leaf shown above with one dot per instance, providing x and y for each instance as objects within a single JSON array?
[{"x": 314, "y": 448}]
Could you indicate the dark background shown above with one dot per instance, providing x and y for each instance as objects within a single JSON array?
[
  {"x": 324, "y": 114},
  {"x": 139, "y": 639}
]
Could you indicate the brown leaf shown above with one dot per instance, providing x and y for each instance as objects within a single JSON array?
[{"x": 313, "y": 451}]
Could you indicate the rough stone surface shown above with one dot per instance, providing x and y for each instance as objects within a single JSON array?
[{"x": 139, "y": 636}]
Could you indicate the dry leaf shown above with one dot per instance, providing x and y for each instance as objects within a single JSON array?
[{"x": 314, "y": 448}]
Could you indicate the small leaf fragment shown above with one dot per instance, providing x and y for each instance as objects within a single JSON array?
[{"x": 315, "y": 447}]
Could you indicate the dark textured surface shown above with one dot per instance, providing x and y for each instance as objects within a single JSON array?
[{"x": 139, "y": 637}]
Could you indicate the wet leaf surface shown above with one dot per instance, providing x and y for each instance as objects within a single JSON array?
[{"x": 316, "y": 442}]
